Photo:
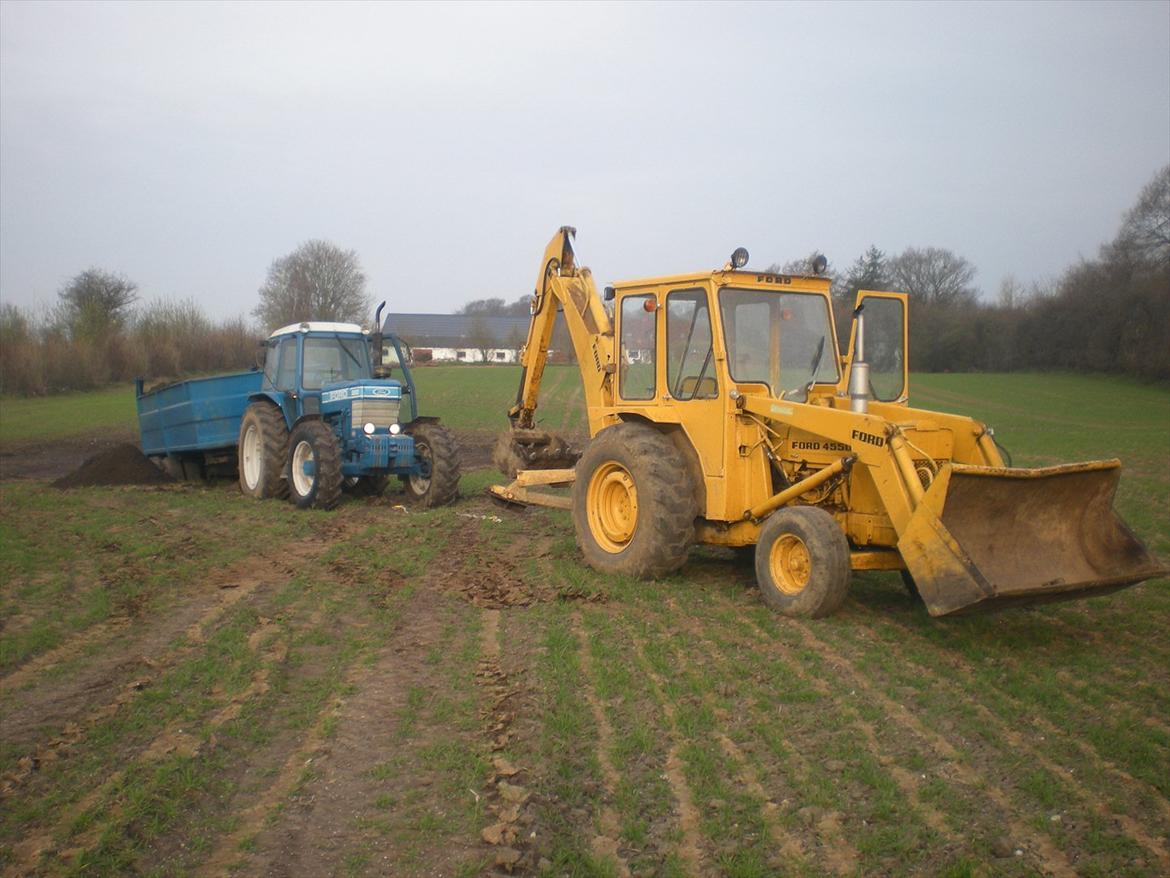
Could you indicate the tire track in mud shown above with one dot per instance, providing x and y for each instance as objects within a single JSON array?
[
  {"x": 689, "y": 819},
  {"x": 1052, "y": 859},
  {"x": 246, "y": 578},
  {"x": 840, "y": 855},
  {"x": 33, "y": 850},
  {"x": 251, "y": 819},
  {"x": 352, "y": 735},
  {"x": 788, "y": 844},
  {"x": 605, "y": 844},
  {"x": 1017, "y": 742}
]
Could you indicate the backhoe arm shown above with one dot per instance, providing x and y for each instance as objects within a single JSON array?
[{"x": 563, "y": 286}]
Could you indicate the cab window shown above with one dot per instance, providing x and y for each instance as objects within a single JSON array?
[
  {"x": 689, "y": 367},
  {"x": 783, "y": 340},
  {"x": 884, "y": 351},
  {"x": 285, "y": 357},
  {"x": 638, "y": 348},
  {"x": 329, "y": 360}
]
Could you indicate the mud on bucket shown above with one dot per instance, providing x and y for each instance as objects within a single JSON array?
[{"x": 1013, "y": 536}]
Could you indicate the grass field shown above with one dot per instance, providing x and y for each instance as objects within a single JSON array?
[{"x": 193, "y": 683}]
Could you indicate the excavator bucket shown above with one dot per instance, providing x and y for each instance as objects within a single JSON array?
[
  {"x": 520, "y": 449},
  {"x": 987, "y": 537}
]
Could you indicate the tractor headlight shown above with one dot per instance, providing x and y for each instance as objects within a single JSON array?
[
  {"x": 739, "y": 258},
  {"x": 395, "y": 429},
  {"x": 368, "y": 428}
]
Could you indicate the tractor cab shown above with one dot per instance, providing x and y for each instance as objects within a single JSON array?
[{"x": 311, "y": 367}]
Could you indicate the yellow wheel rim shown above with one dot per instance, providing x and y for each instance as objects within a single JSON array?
[
  {"x": 789, "y": 563},
  {"x": 613, "y": 506}
]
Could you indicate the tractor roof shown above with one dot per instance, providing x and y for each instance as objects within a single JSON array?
[
  {"x": 317, "y": 326},
  {"x": 794, "y": 282}
]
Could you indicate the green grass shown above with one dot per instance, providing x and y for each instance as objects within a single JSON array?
[
  {"x": 1058, "y": 711},
  {"x": 69, "y": 414}
]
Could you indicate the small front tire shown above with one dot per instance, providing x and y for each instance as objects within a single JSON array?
[
  {"x": 802, "y": 562},
  {"x": 313, "y": 443}
]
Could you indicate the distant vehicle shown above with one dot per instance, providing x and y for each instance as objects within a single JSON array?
[{"x": 322, "y": 416}]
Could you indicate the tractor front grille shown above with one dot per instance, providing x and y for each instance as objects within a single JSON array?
[{"x": 379, "y": 412}]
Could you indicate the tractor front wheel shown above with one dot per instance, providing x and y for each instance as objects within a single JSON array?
[
  {"x": 633, "y": 506},
  {"x": 438, "y": 457},
  {"x": 802, "y": 562},
  {"x": 262, "y": 450},
  {"x": 314, "y": 466}
]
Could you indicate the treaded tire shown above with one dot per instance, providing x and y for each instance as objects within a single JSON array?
[
  {"x": 635, "y": 480},
  {"x": 272, "y": 446},
  {"x": 802, "y": 562},
  {"x": 323, "y": 489},
  {"x": 434, "y": 444}
]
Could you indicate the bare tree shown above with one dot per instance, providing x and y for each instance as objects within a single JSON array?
[
  {"x": 933, "y": 275},
  {"x": 95, "y": 302},
  {"x": 317, "y": 281},
  {"x": 481, "y": 337},
  {"x": 869, "y": 271},
  {"x": 1145, "y": 233},
  {"x": 497, "y": 307}
]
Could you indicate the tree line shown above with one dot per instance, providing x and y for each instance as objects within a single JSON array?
[{"x": 1108, "y": 314}]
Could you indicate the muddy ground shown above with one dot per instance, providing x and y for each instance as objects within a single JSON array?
[{"x": 385, "y": 691}]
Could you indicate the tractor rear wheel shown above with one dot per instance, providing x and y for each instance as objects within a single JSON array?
[
  {"x": 262, "y": 451},
  {"x": 633, "y": 505},
  {"x": 438, "y": 453},
  {"x": 314, "y": 466},
  {"x": 802, "y": 562}
]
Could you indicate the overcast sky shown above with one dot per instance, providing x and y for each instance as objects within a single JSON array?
[{"x": 187, "y": 146}]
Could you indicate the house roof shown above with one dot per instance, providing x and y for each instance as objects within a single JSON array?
[{"x": 457, "y": 330}]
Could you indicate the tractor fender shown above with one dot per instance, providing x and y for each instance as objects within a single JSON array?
[
  {"x": 277, "y": 399},
  {"x": 678, "y": 436}
]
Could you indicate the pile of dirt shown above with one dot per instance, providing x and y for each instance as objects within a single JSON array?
[{"x": 123, "y": 464}]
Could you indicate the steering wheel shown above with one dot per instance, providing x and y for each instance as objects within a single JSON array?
[{"x": 816, "y": 364}]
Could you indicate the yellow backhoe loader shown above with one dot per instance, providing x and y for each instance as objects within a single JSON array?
[{"x": 722, "y": 412}]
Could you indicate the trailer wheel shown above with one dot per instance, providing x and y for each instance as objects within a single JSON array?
[
  {"x": 802, "y": 562},
  {"x": 262, "y": 452},
  {"x": 313, "y": 446},
  {"x": 438, "y": 452},
  {"x": 633, "y": 506}
]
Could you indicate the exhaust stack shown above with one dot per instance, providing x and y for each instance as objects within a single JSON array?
[{"x": 859, "y": 369}]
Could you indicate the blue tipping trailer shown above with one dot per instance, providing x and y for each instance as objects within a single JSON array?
[
  {"x": 324, "y": 414},
  {"x": 196, "y": 416}
]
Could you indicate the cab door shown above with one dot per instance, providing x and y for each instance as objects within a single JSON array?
[
  {"x": 692, "y": 382},
  {"x": 885, "y": 345}
]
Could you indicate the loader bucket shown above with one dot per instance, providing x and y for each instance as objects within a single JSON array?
[{"x": 1015, "y": 536}]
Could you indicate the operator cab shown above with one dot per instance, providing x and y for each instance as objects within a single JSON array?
[{"x": 685, "y": 338}]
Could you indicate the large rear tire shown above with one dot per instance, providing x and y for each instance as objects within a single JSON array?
[
  {"x": 313, "y": 442},
  {"x": 262, "y": 451},
  {"x": 802, "y": 562},
  {"x": 634, "y": 508},
  {"x": 438, "y": 452}
]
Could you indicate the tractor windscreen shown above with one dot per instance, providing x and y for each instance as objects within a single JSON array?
[
  {"x": 328, "y": 360},
  {"x": 784, "y": 340}
]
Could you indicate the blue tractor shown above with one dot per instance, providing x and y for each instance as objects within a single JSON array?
[{"x": 324, "y": 415}]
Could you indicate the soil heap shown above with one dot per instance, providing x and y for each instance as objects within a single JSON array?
[{"x": 123, "y": 464}]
